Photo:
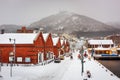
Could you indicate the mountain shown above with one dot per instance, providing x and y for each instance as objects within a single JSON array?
[
  {"x": 114, "y": 24},
  {"x": 69, "y": 23},
  {"x": 72, "y": 23},
  {"x": 9, "y": 28}
]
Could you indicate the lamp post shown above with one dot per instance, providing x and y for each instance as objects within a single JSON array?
[
  {"x": 11, "y": 56},
  {"x": 14, "y": 48},
  {"x": 82, "y": 60}
]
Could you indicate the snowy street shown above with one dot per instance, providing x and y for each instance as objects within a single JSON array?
[
  {"x": 66, "y": 70},
  {"x": 41, "y": 72}
]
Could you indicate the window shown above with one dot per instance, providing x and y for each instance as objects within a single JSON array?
[
  {"x": 27, "y": 59},
  {"x": 19, "y": 59},
  {"x": 11, "y": 58}
]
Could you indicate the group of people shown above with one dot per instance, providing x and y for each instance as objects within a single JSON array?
[{"x": 85, "y": 54}]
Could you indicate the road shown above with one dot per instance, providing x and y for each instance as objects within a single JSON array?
[
  {"x": 62, "y": 71},
  {"x": 57, "y": 72}
]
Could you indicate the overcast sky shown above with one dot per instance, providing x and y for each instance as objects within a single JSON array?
[{"x": 24, "y": 12}]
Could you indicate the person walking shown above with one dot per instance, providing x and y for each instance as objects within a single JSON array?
[
  {"x": 71, "y": 57},
  {"x": 92, "y": 52}
]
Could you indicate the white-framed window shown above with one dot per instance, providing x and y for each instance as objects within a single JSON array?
[
  {"x": 27, "y": 59},
  {"x": 11, "y": 58},
  {"x": 19, "y": 59}
]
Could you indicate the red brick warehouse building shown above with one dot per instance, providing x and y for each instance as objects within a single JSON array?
[
  {"x": 29, "y": 47},
  {"x": 57, "y": 46},
  {"x": 48, "y": 46}
]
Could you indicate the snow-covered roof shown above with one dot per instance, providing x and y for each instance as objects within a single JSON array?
[
  {"x": 55, "y": 40},
  {"x": 100, "y": 42},
  {"x": 20, "y": 38},
  {"x": 45, "y": 36}
]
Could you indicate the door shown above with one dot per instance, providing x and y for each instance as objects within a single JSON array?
[{"x": 40, "y": 57}]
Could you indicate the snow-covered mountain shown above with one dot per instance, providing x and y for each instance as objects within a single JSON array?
[{"x": 70, "y": 22}]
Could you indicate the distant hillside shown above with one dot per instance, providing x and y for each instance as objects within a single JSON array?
[
  {"x": 66, "y": 22},
  {"x": 96, "y": 34},
  {"x": 114, "y": 24},
  {"x": 9, "y": 28}
]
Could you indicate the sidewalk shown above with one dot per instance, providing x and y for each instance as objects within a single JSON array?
[{"x": 98, "y": 72}]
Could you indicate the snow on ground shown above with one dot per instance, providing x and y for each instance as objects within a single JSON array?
[
  {"x": 66, "y": 70},
  {"x": 40, "y": 72},
  {"x": 97, "y": 71}
]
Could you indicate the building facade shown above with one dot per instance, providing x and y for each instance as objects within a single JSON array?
[
  {"x": 30, "y": 48},
  {"x": 25, "y": 47},
  {"x": 100, "y": 46},
  {"x": 57, "y": 47}
]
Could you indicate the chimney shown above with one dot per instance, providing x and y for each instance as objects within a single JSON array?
[{"x": 2, "y": 31}]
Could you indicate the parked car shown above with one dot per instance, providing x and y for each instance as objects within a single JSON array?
[
  {"x": 57, "y": 60},
  {"x": 62, "y": 57}
]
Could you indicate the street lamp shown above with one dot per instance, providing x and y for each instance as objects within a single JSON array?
[
  {"x": 11, "y": 56},
  {"x": 14, "y": 48},
  {"x": 82, "y": 60}
]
